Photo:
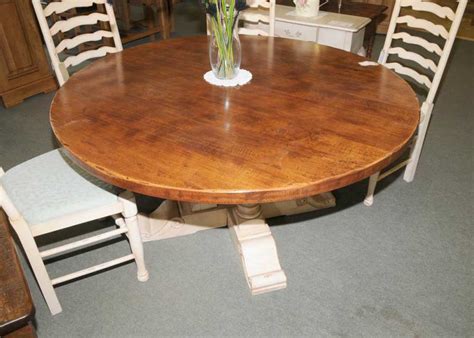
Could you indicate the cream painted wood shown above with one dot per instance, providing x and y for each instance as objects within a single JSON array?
[
  {"x": 80, "y": 39},
  {"x": 413, "y": 22},
  {"x": 259, "y": 19},
  {"x": 64, "y": 6},
  {"x": 83, "y": 242},
  {"x": 67, "y": 221},
  {"x": 340, "y": 31},
  {"x": 90, "y": 54},
  {"x": 415, "y": 40},
  {"x": 76, "y": 21},
  {"x": 404, "y": 54},
  {"x": 257, "y": 249},
  {"x": 173, "y": 219},
  {"x": 60, "y": 67},
  {"x": 251, "y": 234},
  {"x": 437, "y": 69},
  {"x": 431, "y": 7},
  {"x": 398, "y": 68},
  {"x": 26, "y": 236},
  {"x": 92, "y": 269}
]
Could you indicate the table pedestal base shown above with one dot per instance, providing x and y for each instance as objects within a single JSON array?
[
  {"x": 252, "y": 236},
  {"x": 257, "y": 249}
]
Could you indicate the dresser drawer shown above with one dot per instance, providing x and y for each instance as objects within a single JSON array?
[{"x": 295, "y": 31}]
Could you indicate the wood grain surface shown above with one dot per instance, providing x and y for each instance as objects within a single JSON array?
[
  {"x": 16, "y": 306},
  {"x": 311, "y": 120}
]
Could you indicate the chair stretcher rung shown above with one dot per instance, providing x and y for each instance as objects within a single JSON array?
[
  {"x": 392, "y": 170},
  {"x": 92, "y": 269},
  {"x": 82, "y": 242}
]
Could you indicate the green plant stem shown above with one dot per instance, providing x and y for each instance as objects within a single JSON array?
[{"x": 222, "y": 28}]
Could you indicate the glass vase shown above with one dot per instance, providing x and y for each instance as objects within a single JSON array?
[{"x": 224, "y": 48}]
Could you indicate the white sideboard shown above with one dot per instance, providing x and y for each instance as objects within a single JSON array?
[{"x": 341, "y": 31}]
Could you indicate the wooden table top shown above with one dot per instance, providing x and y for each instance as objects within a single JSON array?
[
  {"x": 16, "y": 305},
  {"x": 311, "y": 120}
]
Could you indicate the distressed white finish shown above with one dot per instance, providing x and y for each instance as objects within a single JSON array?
[
  {"x": 63, "y": 6},
  {"x": 257, "y": 249},
  {"x": 416, "y": 40},
  {"x": 398, "y": 68},
  {"x": 90, "y": 54},
  {"x": 92, "y": 269},
  {"x": 172, "y": 219},
  {"x": 341, "y": 31},
  {"x": 404, "y": 54},
  {"x": 76, "y": 21},
  {"x": 60, "y": 67},
  {"x": 125, "y": 204},
  {"x": 431, "y": 7},
  {"x": 261, "y": 12},
  {"x": 413, "y": 22},
  {"x": 437, "y": 69},
  {"x": 83, "y": 242},
  {"x": 80, "y": 39},
  {"x": 251, "y": 234}
]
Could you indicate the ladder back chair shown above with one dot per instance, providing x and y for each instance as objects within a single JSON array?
[
  {"x": 429, "y": 46},
  {"x": 52, "y": 24},
  {"x": 49, "y": 193},
  {"x": 258, "y": 19}
]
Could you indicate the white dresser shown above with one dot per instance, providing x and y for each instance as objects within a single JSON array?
[{"x": 330, "y": 29}]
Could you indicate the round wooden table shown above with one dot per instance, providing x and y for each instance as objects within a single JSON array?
[{"x": 311, "y": 120}]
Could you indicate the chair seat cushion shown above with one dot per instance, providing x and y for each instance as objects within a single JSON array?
[{"x": 51, "y": 185}]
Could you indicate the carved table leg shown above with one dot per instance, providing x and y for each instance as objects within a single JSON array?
[{"x": 257, "y": 249}]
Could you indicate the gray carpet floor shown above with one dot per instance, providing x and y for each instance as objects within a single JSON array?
[{"x": 403, "y": 267}]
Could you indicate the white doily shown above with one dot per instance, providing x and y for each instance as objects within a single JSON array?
[{"x": 242, "y": 78}]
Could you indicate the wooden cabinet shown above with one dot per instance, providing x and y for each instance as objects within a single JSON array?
[
  {"x": 382, "y": 26},
  {"x": 24, "y": 69}
]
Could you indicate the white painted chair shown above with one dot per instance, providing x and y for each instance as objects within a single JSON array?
[
  {"x": 64, "y": 25},
  {"x": 433, "y": 71},
  {"x": 50, "y": 193},
  {"x": 259, "y": 18}
]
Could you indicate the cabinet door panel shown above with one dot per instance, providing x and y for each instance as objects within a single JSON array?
[{"x": 22, "y": 57}]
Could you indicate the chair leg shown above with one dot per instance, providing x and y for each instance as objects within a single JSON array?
[
  {"x": 37, "y": 264},
  {"x": 136, "y": 245},
  {"x": 426, "y": 110},
  {"x": 410, "y": 170},
  {"x": 131, "y": 221},
  {"x": 369, "y": 198}
]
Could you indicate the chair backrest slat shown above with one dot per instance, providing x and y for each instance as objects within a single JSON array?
[
  {"x": 421, "y": 79},
  {"x": 431, "y": 7},
  {"x": 65, "y": 19},
  {"x": 416, "y": 40},
  {"x": 413, "y": 22},
  {"x": 446, "y": 33},
  {"x": 80, "y": 39},
  {"x": 82, "y": 20},
  {"x": 64, "y": 6},
  {"x": 404, "y": 54},
  {"x": 260, "y": 11},
  {"x": 90, "y": 54},
  {"x": 254, "y": 17}
]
